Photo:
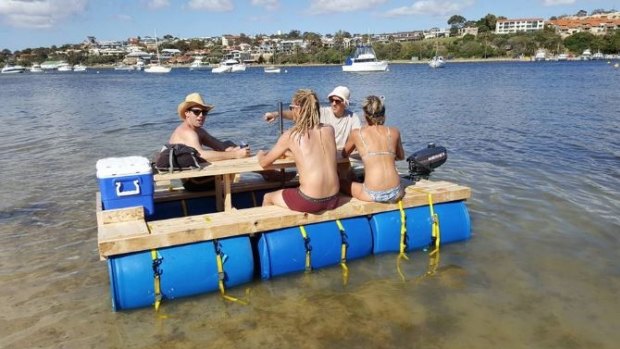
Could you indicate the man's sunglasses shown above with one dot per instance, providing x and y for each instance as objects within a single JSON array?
[{"x": 197, "y": 112}]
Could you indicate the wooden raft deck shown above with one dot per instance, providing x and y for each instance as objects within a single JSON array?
[{"x": 125, "y": 230}]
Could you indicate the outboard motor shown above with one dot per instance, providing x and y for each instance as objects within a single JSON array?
[{"x": 424, "y": 161}]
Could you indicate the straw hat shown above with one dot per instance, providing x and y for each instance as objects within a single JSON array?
[
  {"x": 192, "y": 100},
  {"x": 341, "y": 92}
]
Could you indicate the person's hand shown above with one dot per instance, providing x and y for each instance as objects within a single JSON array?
[
  {"x": 270, "y": 116},
  {"x": 242, "y": 152}
]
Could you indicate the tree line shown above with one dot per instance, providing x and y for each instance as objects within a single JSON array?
[{"x": 486, "y": 44}]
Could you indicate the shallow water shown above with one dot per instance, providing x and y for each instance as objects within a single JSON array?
[{"x": 538, "y": 143}]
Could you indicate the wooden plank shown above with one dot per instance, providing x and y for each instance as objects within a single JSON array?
[
  {"x": 176, "y": 231},
  {"x": 119, "y": 236},
  {"x": 127, "y": 214},
  {"x": 245, "y": 165},
  {"x": 227, "y": 196}
]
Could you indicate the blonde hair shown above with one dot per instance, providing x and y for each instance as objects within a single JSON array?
[
  {"x": 309, "y": 111},
  {"x": 374, "y": 110}
]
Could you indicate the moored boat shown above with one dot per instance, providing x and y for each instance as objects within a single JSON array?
[
  {"x": 64, "y": 67},
  {"x": 364, "y": 59},
  {"x": 229, "y": 66},
  {"x": 79, "y": 68},
  {"x": 437, "y": 62},
  {"x": 157, "y": 67},
  {"x": 12, "y": 69},
  {"x": 272, "y": 70},
  {"x": 36, "y": 68},
  {"x": 198, "y": 64}
]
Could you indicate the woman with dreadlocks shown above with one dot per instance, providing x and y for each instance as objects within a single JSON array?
[
  {"x": 314, "y": 149},
  {"x": 379, "y": 146}
]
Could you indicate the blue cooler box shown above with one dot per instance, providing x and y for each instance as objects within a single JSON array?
[{"x": 126, "y": 182}]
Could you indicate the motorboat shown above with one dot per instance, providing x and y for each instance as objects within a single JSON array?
[
  {"x": 562, "y": 57},
  {"x": 437, "y": 62},
  {"x": 157, "y": 68},
  {"x": 124, "y": 67},
  {"x": 228, "y": 66},
  {"x": 51, "y": 65},
  {"x": 364, "y": 59},
  {"x": 198, "y": 64},
  {"x": 598, "y": 55},
  {"x": 222, "y": 69},
  {"x": 64, "y": 67},
  {"x": 272, "y": 69},
  {"x": 239, "y": 67},
  {"x": 36, "y": 68},
  {"x": 13, "y": 69},
  {"x": 79, "y": 68},
  {"x": 586, "y": 55},
  {"x": 540, "y": 55}
]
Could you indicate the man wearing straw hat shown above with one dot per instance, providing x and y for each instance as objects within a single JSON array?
[{"x": 193, "y": 111}]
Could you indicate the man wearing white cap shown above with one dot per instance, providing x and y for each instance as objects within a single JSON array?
[{"x": 337, "y": 115}]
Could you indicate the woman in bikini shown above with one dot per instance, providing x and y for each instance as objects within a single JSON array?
[
  {"x": 379, "y": 146},
  {"x": 313, "y": 146}
]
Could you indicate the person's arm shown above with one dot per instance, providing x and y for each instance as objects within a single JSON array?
[
  {"x": 349, "y": 146},
  {"x": 267, "y": 158},
  {"x": 207, "y": 139},
  {"x": 273, "y": 115},
  {"x": 197, "y": 140},
  {"x": 400, "y": 152}
]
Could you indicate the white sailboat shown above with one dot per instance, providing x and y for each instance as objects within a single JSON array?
[
  {"x": 157, "y": 67},
  {"x": 437, "y": 61}
]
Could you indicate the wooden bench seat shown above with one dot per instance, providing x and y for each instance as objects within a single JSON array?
[
  {"x": 126, "y": 230},
  {"x": 248, "y": 184}
]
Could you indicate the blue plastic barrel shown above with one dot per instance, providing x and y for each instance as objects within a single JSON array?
[
  {"x": 186, "y": 270},
  {"x": 454, "y": 224},
  {"x": 283, "y": 251}
]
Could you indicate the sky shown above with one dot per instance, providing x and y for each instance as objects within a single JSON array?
[{"x": 43, "y": 23}]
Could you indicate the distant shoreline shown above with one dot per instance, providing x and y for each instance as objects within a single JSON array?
[{"x": 456, "y": 60}]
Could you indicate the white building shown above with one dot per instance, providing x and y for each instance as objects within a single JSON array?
[{"x": 509, "y": 26}]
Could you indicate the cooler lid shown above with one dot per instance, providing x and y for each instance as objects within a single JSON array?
[{"x": 123, "y": 166}]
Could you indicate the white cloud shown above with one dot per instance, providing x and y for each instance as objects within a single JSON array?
[
  {"x": 157, "y": 4},
  {"x": 268, "y": 4},
  {"x": 211, "y": 5},
  {"x": 328, "y": 6},
  {"x": 557, "y": 2},
  {"x": 431, "y": 7},
  {"x": 39, "y": 13}
]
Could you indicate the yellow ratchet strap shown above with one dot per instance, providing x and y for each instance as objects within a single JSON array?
[
  {"x": 403, "y": 239},
  {"x": 156, "y": 278},
  {"x": 343, "y": 252},
  {"x": 436, "y": 234},
  {"x": 304, "y": 235},
  {"x": 222, "y": 275}
]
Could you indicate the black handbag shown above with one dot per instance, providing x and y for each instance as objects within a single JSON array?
[{"x": 176, "y": 157}]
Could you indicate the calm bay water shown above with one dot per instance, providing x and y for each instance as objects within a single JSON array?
[{"x": 538, "y": 143}]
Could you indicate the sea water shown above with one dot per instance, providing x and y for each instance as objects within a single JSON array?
[{"x": 538, "y": 143}]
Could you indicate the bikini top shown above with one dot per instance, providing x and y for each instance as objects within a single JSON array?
[{"x": 378, "y": 153}]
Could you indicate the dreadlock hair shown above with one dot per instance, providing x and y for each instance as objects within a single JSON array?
[
  {"x": 374, "y": 110},
  {"x": 309, "y": 108}
]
